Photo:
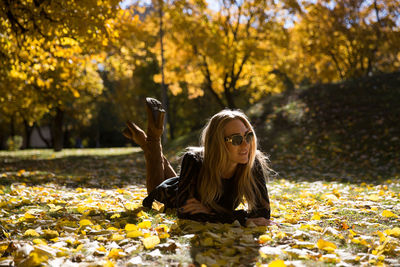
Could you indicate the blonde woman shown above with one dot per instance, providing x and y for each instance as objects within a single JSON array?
[{"x": 226, "y": 170}]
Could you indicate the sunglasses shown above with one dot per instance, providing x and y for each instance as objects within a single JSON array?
[{"x": 237, "y": 139}]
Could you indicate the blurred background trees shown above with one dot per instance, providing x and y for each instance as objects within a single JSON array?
[{"x": 77, "y": 70}]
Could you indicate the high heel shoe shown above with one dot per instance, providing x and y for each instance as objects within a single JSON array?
[{"x": 155, "y": 114}]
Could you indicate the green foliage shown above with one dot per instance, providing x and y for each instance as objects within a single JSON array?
[{"x": 14, "y": 142}]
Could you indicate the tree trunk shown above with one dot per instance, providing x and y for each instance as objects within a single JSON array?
[
  {"x": 229, "y": 98},
  {"x": 28, "y": 133},
  {"x": 164, "y": 94},
  {"x": 12, "y": 125},
  {"x": 47, "y": 142},
  {"x": 58, "y": 135}
]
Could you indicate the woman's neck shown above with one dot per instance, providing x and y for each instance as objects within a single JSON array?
[{"x": 229, "y": 171}]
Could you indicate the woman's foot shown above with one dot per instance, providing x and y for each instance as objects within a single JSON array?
[
  {"x": 134, "y": 133},
  {"x": 155, "y": 125},
  {"x": 155, "y": 114}
]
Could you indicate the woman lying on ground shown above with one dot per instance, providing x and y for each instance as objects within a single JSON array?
[{"x": 214, "y": 178}]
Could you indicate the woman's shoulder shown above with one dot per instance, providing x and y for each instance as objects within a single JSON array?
[{"x": 193, "y": 153}]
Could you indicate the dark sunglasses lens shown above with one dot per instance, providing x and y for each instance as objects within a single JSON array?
[
  {"x": 237, "y": 140},
  {"x": 249, "y": 137}
]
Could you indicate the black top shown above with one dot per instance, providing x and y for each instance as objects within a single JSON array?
[{"x": 174, "y": 192}]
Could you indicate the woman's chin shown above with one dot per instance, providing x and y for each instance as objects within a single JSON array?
[{"x": 244, "y": 160}]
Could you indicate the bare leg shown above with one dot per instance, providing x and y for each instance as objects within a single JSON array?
[{"x": 157, "y": 166}]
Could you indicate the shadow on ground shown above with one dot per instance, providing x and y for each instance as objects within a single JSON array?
[{"x": 93, "y": 171}]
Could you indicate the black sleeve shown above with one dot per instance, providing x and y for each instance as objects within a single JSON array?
[
  {"x": 190, "y": 169},
  {"x": 174, "y": 191},
  {"x": 262, "y": 208}
]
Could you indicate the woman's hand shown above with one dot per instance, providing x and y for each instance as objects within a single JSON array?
[
  {"x": 193, "y": 206},
  {"x": 260, "y": 221}
]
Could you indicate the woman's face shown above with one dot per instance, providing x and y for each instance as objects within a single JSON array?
[{"x": 238, "y": 154}]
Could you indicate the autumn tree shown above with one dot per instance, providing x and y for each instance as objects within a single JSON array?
[
  {"x": 48, "y": 56},
  {"x": 345, "y": 39},
  {"x": 218, "y": 50}
]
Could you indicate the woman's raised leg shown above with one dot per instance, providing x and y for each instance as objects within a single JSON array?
[{"x": 157, "y": 166}]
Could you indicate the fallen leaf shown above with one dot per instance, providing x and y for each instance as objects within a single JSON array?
[
  {"x": 151, "y": 242},
  {"x": 326, "y": 245}
]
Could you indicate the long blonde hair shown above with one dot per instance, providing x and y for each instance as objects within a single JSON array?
[{"x": 215, "y": 159}]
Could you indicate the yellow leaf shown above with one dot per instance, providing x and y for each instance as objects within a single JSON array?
[
  {"x": 162, "y": 228},
  {"x": 264, "y": 238},
  {"x": 102, "y": 249},
  {"x": 388, "y": 214},
  {"x": 49, "y": 234},
  {"x": 158, "y": 206},
  {"x": 31, "y": 232},
  {"x": 54, "y": 208},
  {"x": 134, "y": 234},
  {"x": 114, "y": 253},
  {"x": 382, "y": 237},
  {"x": 85, "y": 222},
  {"x": 38, "y": 241},
  {"x": 336, "y": 193},
  {"x": 316, "y": 216},
  {"x": 151, "y": 242},
  {"x": 75, "y": 93},
  {"x": 393, "y": 232},
  {"x": 78, "y": 248},
  {"x": 29, "y": 216},
  {"x": 280, "y": 235},
  {"x": 142, "y": 214},
  {"x": 144, "y": 225},
  {"x": 117, "y": 215},
  {"x": 131, "y": 206},
  {"x": 109, "y": 264},
  {"x": 163, "y": 235},
  {"x": 131, "y": 227},
  {"x": 117, "y": 237},
  {"x": 277, "y": 263},
  {"x": 373, "y": 197},
  {"x": 36, "y": 258},
  {"x": 97, "y": 227},
  {"x": 326, "y": 245}
]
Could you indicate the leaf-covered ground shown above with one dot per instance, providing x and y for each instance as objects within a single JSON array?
[{"x": 83, "y": 208}]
